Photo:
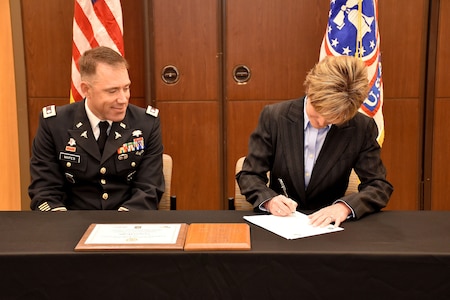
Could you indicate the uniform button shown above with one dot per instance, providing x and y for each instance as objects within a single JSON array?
[
  {"x": 103, "y": 181},
  {"x": 103, "y": 170},
  {"x": 133, "y": 164},
  {"x": 68, "y": 164},
  {"x": 105, "y": 196}
]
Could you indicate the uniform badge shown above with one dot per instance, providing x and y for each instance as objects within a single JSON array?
[
  {"x": 122, "y": 156},
  {"x": 117, "y": 135},
  {"x": 49, "y": 111},
  {"x": 72, "y": 142},
  {"x": 123, "y": 125},
  {"x": 84, "y": 134},
  {"x": 79, "y": 125},
  {"x": 69, "y": 177},
  {"x": 152, "y": 111},
  {"x": 137, "y": 133}
]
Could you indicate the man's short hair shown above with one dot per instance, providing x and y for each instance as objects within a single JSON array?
[
  {"x": 336, "y": 87},
  {"x": 89, "y": 60}
]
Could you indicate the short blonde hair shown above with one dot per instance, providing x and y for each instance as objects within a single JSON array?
[{"x": 336, "y": 87}]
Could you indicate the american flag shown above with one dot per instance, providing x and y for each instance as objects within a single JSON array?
[
  {"x": 353, "y": 30},
  {"x": 95, "y": 23}
]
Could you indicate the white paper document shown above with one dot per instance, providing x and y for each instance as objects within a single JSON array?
[
  {"x": 134, "y": 234},
  {"x": 291, "y": 227}
]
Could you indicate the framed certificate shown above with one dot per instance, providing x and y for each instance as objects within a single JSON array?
[{"x": 139, "y": 236}]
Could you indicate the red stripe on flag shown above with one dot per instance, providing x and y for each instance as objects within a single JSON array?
[
  {"x": 75, "y": 54},
  {"x": 105, "y": 30},
  {"x": 85, "y": 25},
  {"x": 108, "y": 20}
]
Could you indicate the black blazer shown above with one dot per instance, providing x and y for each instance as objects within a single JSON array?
[{"x": 277, "y": 145}]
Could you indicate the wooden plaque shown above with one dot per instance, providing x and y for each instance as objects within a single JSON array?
[
  {"x": 218, "y": 236},
  {"x": 128, "y": 237}
]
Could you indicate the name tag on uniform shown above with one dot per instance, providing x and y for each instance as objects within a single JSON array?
[{"x": 75, "y": 158}]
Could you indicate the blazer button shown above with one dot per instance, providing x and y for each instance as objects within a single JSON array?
[
  {"x": 68, "y": 164},
  {"x": 133, "y": 164},
  {"x": 103, "y": 181},
  {"x": 105, "y": 196},
  {"x": 103, "y": 170}
]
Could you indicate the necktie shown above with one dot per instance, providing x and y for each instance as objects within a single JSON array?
[{"x": 103, "y": 135}]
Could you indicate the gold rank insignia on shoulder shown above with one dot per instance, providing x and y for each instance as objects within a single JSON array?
[
  {"x": 152, "y": 111},
  {"x": 49, "y": 111}
]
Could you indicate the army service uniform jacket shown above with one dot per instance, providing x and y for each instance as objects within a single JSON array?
[{"x": 69, "y": 172}]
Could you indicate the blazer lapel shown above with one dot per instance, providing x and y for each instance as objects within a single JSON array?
[
  {"x": 292, "y": 134},
  {"x": 334, "y": 146}
]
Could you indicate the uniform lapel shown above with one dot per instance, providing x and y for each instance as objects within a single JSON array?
[
  {"x": 119, "y": 134},
  {"x": 82, "y": 133}
]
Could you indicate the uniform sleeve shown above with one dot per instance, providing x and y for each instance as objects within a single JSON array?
[
  {"x": 47, "y": 181},
  {"x": 148, "y": 182}
]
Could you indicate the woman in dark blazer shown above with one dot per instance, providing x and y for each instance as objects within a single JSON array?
[{"x": 310, "y": 145}]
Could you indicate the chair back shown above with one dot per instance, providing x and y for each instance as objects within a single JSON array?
[
  {"x": 353, "y": 183},
  {"x": 239, "y": 200},
  {"x": 164, "y": 204}
]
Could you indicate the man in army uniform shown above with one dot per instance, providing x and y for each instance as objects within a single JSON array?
[{"x": 74, "y": 165}]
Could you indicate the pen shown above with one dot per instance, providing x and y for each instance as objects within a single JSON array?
[{"x": 283, "y": 187}]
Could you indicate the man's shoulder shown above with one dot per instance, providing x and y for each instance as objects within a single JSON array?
[
  {"x": 139, "y": 112},
  {"x": 60, "y": 112}
]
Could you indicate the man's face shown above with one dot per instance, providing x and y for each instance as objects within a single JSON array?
[
  {"x": 108, "y": 92},
  {"x": 316, "y": 120}
]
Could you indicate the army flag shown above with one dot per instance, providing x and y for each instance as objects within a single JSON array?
[
  {"x": 353, "y": 30},
  {"x": 95, "y": 23}
]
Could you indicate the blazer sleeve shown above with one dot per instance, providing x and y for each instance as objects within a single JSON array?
[
  {"x": 252, "y": 179},
  {"x": 374, "y": 189}
]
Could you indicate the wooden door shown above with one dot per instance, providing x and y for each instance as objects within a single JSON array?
[{"x": 186, "y": 40}]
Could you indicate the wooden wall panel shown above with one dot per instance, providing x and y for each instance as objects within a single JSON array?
[
  {"x": 403, "y": 46},
  {"x": 191, "y": 137},
  {"x": 401, "y": 152},
  {"x": 186, "y": 36},
  {"x": 440, "y": 188},
  {"x": 48, "y": 46},
  {"x": 443, "y": 52},
  {"x": 133, "y": 38},
  {"x": 403, "y": 25}
]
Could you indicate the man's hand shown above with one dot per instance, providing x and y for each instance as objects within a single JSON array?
[
  {"x": 281, "y": 206},
  {"x": 336, "y": 213}
]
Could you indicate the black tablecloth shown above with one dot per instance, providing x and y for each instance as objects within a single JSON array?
[{"x": 388, "y": 255}]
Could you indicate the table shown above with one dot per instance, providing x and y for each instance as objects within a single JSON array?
[{"x": 388, "y": 255}]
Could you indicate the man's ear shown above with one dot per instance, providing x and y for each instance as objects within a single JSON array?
[{"x": 84, "y": 87}]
